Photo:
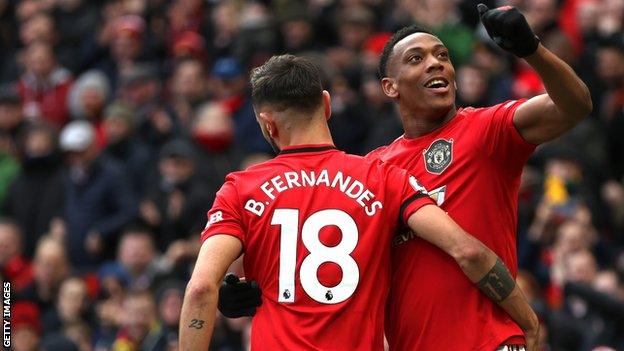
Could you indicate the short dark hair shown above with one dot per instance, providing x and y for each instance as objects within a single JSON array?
[
  {"x": 287, "y": 82},
  {"x": 389, "y": 47}
]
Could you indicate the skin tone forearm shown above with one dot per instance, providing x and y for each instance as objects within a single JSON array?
[
  {"x": 197, "y": 319},
  {"x": 499, "y": 285},
  {"x": 568, "y": 101},
  {"x": 564, "y": 87},
  {"x": 202, "y": 293}
]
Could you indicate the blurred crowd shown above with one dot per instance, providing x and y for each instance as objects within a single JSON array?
[{"x": 119, "y": 120}]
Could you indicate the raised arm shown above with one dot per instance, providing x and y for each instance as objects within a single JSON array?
[
  {"x": 200, "y": 300},
  {"x": 480, "y": 265},
  {"x": 567, "y": 102}
]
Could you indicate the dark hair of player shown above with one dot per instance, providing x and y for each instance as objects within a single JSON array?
[
  {"x": 287, "y": 82},
  {"x": 389, "y": 47}
]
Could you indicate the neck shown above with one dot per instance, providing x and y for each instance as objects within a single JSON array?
[
  {"x": 315, "y": 133},
  {"x": 418, "y": 124}
]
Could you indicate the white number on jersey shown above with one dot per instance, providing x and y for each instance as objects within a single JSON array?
[{"x": 288, "y": 220}]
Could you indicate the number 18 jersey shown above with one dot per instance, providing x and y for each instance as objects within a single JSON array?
[{"x": 316, "y": 225}]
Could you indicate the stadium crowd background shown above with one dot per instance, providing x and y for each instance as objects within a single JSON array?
[{"x": 120, "y": 119}]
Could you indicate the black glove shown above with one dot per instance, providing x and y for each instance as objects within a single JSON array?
[
  {"x": 238, "y": 298},
  {"x": 509, "y": 29}
]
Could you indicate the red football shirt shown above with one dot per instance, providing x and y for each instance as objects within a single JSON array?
[
  {"x": 316, "y": 226},
  {"x": 472, "y": 167}
]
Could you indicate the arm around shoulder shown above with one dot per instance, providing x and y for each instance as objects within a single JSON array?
[{"x": 479, "y": 264}]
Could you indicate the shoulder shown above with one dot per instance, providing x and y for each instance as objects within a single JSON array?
[
  {"x": 508, "y": 105},
  {"x": 380, "y": 152}
]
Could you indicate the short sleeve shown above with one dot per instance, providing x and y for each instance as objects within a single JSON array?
[
  {"x": 412, "y": 194},
  {"x": 499, "y": 135},
  {"x": 225, "y": 217}
]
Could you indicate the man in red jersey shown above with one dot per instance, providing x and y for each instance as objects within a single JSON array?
[
  {"x": 316, "y": 226},
  {"x": 471, "y": 161}
]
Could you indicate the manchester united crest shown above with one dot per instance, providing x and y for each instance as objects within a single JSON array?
[{"x": 438, "y": 156}]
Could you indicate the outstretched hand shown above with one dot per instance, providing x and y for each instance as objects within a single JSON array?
[{"x": 509, "y": 29}]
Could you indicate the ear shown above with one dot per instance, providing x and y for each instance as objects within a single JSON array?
[
  {"x": 327, "y": 104},
  {"x": 389, "y": 88},
  {"x": 266, "y": 120},
  {"x": 271, "y": 127},
  {"x": 264, "y": 117}
]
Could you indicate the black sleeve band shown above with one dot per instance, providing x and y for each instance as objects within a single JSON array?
[
  {"x": 408, "y": 201},
  {"x": 498, "y": 282}
]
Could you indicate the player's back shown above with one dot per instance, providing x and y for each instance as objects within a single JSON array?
[{"x": 317, "y": 228}]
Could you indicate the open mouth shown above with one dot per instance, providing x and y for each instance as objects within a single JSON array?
[{"x": 436, "y": 83}]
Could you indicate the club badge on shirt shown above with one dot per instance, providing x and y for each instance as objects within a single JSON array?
[{"x": 438, "y": 156}]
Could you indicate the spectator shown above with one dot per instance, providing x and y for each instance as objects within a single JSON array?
[
  {"x": 230, "y": 88},
  {"x": 25, "y": 326},
  {"x": 36, "y": 196},
  {"x": 99, "y": 200},
  {"x": 140, "y": 329},
  {"x": 577, "y": 326},
  {"x": 123, "y": 145},
  {"x": 175, "y": 207},
  {"x": 51, "y": 268},
  {"x": 114, "y": 280},
  {"x": 76, "y": 22},
  {"x": 387, "y": 125},
  {"x": 15, "y": 268},
  {"x": 443, "y": 19},
  {"x": 136, "y": 257},
  {"x": 72, "y": 305},
  {"x": 213, "y": 129},
  {"x": 124, "y": 37},
  {"x": 142, "y": 91},
  {"x": 297, "y": 32},
  {"x": 189, "y": 87},
  {"x": 225, "y": 28},
  {"x": 170, "y": 297},
  {"x": 44, "y": 86},
  {"x": 87, "y": 99},
  {"x": 38, "y": 29},
  {"x": 472, "y": 87}
]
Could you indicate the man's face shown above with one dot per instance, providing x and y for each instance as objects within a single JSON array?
[
  {"x": 140, "y": 313},
  {"x": 40, "y": 61},
  {"x": 609, "y": 66},
  {"x": 177, "y": 169},
  {"x": 422, "y": 75},
  {"x": 136, "y": 252},
  {"x": 581, "y": 267},
  {"x": 50, "y": 265},
  {"x": 189, "y": 82},
  {"x": 72, "y": 298}
]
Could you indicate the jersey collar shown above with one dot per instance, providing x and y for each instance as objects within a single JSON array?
[{"x": 294, "y": 149}]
